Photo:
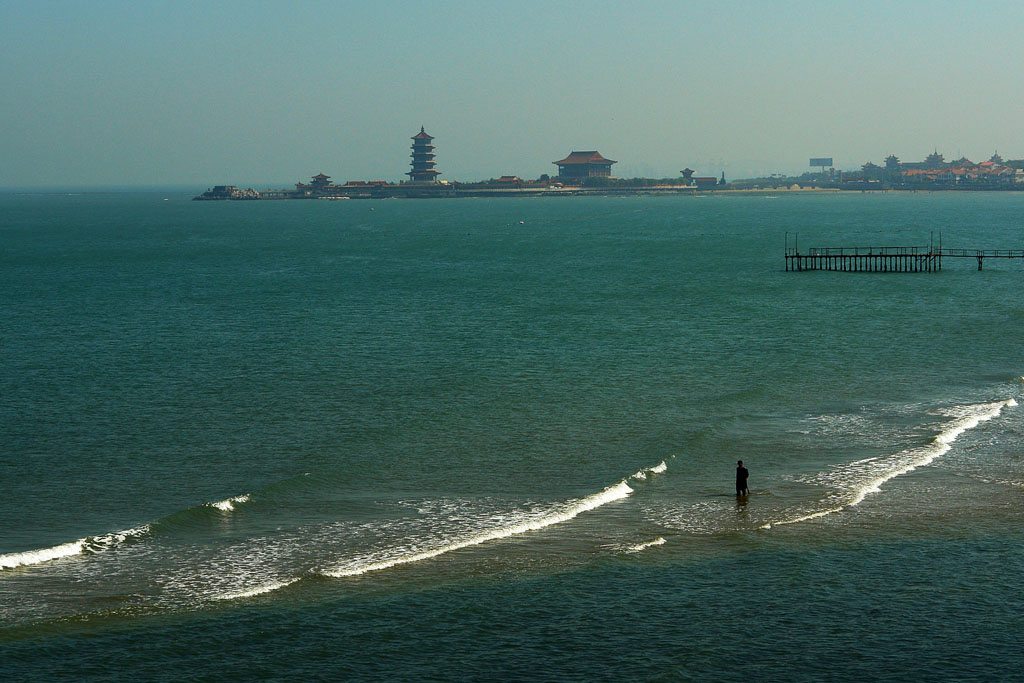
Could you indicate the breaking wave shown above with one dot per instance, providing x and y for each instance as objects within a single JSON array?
[
  {"x": 228, "y": 504},
  {"x": 30, "y": 557},
  {"x": 89, "y": 544},
  {"x": 258, "y": 590},
  {"x": 115, "y": 539},
  {"x": 657, "y": 469},
  {"x": 869, "y": 475},
  {"x": 561, "y": 513}
]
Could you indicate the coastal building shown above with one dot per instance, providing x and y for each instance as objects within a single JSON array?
[
  {"x": 318, "y": 183},
  {"x": 220, "y": 192},
  {"x": 935, "y": 173},
  {"x": 422, "y": 159},
  {"x": 581, "y": 165},
  {"x": 961, "y": 174},
  {"x": 700, "y": 182},
  {"x": 931, "y": 162},
  {"x": 319, "y": 186}
]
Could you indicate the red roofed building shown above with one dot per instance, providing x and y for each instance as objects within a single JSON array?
[{"x": 584, "y": 165}]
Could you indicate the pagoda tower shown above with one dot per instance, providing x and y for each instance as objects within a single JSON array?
[{"x": 422, "y": 159}]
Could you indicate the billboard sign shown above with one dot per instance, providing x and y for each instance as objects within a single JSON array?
[{"x": 821, "y": 161}]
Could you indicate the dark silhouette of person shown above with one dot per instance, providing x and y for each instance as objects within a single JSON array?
[{"x": 741, "y": 479}]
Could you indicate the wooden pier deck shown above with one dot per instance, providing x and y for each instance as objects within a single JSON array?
[{"x": 886, "y": 259}]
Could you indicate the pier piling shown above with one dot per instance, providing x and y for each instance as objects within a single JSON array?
[{"x": 886, "y": 259}]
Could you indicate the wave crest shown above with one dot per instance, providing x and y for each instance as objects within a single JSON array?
[
  {"x": 89, "y": 544},
  {"x": 657, "y": 469},
  {"x": 258, "y": 590},
  {"x": 561, "y": 513},
  {"x": 228, "y": 504},
  {"x": 882, "y": 470},
  {"x": 30, "y": 557}
]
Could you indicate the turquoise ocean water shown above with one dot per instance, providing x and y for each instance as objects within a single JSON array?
[{"x": 495, "y": 440}]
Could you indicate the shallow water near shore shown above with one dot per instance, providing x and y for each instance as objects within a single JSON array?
[{"x": 480, "y": 439}]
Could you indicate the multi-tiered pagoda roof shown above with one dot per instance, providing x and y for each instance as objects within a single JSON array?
[{"x": 422, "y": 159}]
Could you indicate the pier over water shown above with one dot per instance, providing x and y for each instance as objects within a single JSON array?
[{"x": 886, "y": 259}]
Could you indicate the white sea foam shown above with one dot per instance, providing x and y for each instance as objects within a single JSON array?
[
  {"x": 965, "y": 418},
  {"x": 97, "y": 544},
  {"x": 29, "y": 557},
  {"x": 258, "y": 590},
  {"x": 997, "y": 482},
  {"x": 643, "y": 546},
  {"x": 90, "y": 544},
  {"x": 561, "y": 513},
  {"x": 229, "y": 504},
  {"x": 657, "y": 469}
]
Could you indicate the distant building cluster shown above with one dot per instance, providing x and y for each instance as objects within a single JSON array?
[
  {"x": 589, "y": 172},
  {"x": 937, "y": 173},
  {"x": 933, "y": 173},
  {"x": 580, "y": 172}
]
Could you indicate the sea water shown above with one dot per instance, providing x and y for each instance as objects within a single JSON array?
[{"x": 495, "y": 439}]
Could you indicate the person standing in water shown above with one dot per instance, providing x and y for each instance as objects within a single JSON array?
[{"x": 741, "y": 479}]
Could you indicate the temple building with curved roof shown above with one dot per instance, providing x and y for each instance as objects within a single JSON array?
[{"x": 584, "y": 165}]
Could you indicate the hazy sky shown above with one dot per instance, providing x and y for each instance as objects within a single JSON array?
[{"x": 269, "y": 93}]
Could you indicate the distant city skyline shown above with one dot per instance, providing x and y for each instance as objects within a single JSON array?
[{"x": 260, "y": 93}]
